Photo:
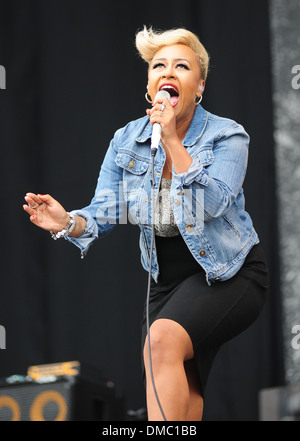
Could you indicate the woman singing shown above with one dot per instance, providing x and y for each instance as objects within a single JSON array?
[{"x": 209, "y": 274}]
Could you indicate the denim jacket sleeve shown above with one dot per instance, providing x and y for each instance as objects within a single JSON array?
[
  {"x": 107, "y": 206},
  {"x": 223, "y": 179}
]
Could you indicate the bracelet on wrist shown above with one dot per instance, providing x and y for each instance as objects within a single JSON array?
[{"x": 66, "y": 230}]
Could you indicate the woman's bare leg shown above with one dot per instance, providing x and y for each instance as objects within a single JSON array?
[
  {"x": 195, "y": 411},
  {"x": 170, "y": 346}
]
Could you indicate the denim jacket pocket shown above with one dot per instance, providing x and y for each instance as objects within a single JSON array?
[
  {"x": 231, "y": 225},
  {"x": 135, "y": 170},
  {"x": 132, "y": 163}
]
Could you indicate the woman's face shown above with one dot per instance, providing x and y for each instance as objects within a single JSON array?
[{"x": 176, "y": 69}]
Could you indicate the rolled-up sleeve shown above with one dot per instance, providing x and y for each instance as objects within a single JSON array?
[
  {"x": 196, "y": 170},
  {"x": 90, "y": 233}
]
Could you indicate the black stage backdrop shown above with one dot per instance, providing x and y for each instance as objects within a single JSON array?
[{"x": 73, "y": 78}]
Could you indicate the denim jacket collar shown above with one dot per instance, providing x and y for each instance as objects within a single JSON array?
[{"x": 194, "y": 132}]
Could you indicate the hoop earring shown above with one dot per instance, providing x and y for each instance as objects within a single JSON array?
[
  {"x": 147, "y": 98},
  {"x": 198, "y": 99}
]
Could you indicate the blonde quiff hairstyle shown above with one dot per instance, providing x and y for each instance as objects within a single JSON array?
[{"x": 149, "y": 41}]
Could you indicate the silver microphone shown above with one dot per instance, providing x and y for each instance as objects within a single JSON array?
[{"x": 156, "y": 130}]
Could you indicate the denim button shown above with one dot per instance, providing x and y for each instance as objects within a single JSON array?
[{"x": 202, "y": 253}]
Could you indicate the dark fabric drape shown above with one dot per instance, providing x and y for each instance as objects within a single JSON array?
[{"x": 73, "y": 78}]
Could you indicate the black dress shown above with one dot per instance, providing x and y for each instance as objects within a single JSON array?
[{"x": 211, "y": 315}]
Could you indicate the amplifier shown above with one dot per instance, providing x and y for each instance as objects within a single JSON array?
[{"x": 83, "y": 395}]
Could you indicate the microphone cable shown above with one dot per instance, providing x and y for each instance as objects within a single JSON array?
[{"x": 153, "y": 152}]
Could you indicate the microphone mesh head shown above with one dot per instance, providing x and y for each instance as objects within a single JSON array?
[{"x": 163, "y": 94}]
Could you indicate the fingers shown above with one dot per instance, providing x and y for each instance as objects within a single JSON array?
[
  {"x": 45, "y": 211},
  {"x": 29, "y": 210},
  {"x": 46, "y": 198},
  {"x": 32, "y": 212},
  {"x": 163, "y": 113},
  {"x": 161, "y": 106},
  {"x": 33, "y": 200},
  {"x": 164, "y": 101},
  {"x": 156, "y": 113}
]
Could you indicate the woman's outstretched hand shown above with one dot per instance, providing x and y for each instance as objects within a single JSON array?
[{"x": 46, "y": 212}]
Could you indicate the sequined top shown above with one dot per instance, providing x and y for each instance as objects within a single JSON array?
[{"x": 164, "y": 222}]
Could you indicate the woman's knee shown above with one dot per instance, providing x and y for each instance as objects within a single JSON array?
[{"x": 169, "y": 342}]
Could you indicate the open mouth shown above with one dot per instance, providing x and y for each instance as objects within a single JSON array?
[{"x": 173, "y": 91}]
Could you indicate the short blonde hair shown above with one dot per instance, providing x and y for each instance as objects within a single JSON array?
[{"x": 149, "y": 41}]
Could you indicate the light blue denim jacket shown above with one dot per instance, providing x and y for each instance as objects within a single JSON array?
[{"x": 208, "y": 200}]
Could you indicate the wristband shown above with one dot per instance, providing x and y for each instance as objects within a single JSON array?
[{"x": 65, "y": 231}]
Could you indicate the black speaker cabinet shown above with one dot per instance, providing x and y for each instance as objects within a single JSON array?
[
  {"x": 280, "y": 403},
  {"x": 64, "y": 399}
]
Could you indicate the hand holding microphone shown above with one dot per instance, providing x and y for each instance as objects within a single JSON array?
[{"x": 156, "y": 115}]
